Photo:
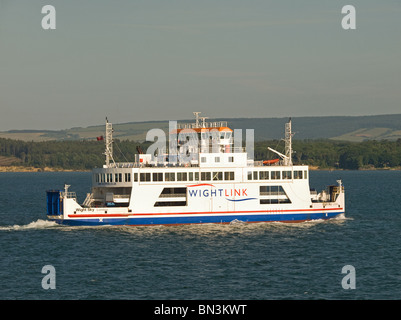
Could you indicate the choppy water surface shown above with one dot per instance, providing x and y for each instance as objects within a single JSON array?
[{"x": 236, "y": 261}]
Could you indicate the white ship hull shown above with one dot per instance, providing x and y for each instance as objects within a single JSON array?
[{"x": 287, "y": 200}]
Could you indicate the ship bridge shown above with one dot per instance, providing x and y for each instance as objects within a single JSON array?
[{"x": 204, "y": 144}]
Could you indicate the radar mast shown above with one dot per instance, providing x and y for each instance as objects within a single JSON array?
[{"x": 109, "y": 143}]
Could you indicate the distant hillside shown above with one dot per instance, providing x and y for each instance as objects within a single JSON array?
[
  {"x": 8, "y": 161},
  {"x": 347, "y": 128}
]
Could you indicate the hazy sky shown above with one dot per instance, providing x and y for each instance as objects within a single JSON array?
[{"x": 134, "y": 60}]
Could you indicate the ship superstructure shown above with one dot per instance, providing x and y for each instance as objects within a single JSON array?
[{"x": 205, "y": 177}]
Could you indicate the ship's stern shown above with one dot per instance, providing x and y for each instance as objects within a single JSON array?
[
  {"x": 61, "y": 204},
  {"x": 54, "y": 205}
]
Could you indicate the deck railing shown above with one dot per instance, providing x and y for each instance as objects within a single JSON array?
[
  {"x": 69, "y": 195},
  {"x": 214, "y": 124}
]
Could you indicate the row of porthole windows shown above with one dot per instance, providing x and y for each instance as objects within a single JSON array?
[
  {"x": 167, "y": 176},
  {"x": 112, "y": 177},
  {"x": 185, "y": 176},
  {"x": 194, "y": 176},
  {"x": 277, "y": 175},
  {"x": 216, "y": 159}
]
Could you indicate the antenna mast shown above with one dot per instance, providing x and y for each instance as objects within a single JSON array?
[
  {"x": 196, "y": 119},
  {"x": 288, "y": 144},
  {"x": 109, "y": 143}
]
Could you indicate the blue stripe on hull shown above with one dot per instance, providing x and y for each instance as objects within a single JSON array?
[{"x": 298, "y": 217}]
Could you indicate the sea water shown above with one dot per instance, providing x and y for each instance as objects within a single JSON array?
[{"x": 234, "y": 261}]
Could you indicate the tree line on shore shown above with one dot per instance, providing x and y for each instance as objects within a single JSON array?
[{"x": 88, "y": 154}]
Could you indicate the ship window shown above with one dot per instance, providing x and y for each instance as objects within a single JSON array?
[
  {"x": 169, "y": 176},
  {"x": 274, "y": 190},
  {"x": 128, "y": 177},
  {"x": 135, "y": 177},
  {"x": 203, "y": 159},
  {"x": 217, "y": 176},
  {"x": 157, "y": 176},
  {"x": 97, "y": 177},
  {"x": 190, "y": 176},
  {"x": 118, "y": 177},
  {"x": 229, "y": 175},
  {"x": 230, "y": 159},
  {"x": 181, "y": 176},
  {"x": 287, "y": 175},
  {"x": 250, "y": 175},
  {"x": 253, "y": 175},
  {"x": 196, "y": 176},
  {"x": 144, "y": 176},
  {"x": 275, "y": 175},
  {"x": 276, "y": 195},
  {"x": 274, "y": 201},
  {"x": 173, "y": 192},
  {"x": 268, "y": 201},
  {"x": 170, "y": 203},
  {"x": 217, "y": 159},
  {"x": 205, "y": 176},
  {"x": 297, "y": 174},
  {"x": 305, "y": 174},
  {"x": 271, "y": 190},
  {"x": 264, "y": 190},
  {"x": 263, "y": 175}
]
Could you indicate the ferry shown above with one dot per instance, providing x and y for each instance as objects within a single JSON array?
[{"x": 210, "y": 181}]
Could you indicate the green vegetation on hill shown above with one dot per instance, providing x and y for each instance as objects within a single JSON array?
[
  {"x": 327, "y": 154},
  {"x": 356, "y": 129},
  {"x": 77, "y": 155},
  {"x": 85, "y": 155}
]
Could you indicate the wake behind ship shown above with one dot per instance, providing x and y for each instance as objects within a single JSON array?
[{"x": 209, "y": 181}]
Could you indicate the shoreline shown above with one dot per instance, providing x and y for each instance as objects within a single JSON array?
[{"x": 49, "y": 169}]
